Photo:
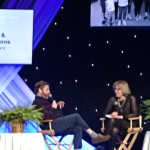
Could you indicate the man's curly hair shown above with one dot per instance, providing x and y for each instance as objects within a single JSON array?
[{"x": 39, "y": 85}]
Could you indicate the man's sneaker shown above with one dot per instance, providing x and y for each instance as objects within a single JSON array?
[
  {"x": 146, "y": 17},
  {"x": 129, "y": 17},
  {"x": 104, "y": 21},
  {"x": 140, "y": 17},
  {"x": 119, "y": 22},
  {"x": 137, "y": 18},
  {"x": 113, "y": 24},
  {"x": 124, "y": 23}
]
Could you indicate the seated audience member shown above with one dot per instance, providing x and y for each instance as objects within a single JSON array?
[{"x": 70, "y": 124}]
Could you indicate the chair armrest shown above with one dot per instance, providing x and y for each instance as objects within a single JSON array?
[
  {"x": 103, "y": 124},
  {"x": 135, "y": 118},
  {"x": 50, "y": 123},
  {"x": 47, "y": 121},
  {"x": 101, "y": 118},
  {"x": 47, "y": 132}
]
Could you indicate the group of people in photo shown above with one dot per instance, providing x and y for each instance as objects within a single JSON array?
[
  {"x": 120, "y": 107},
  {"x": 117, "y": 12}
]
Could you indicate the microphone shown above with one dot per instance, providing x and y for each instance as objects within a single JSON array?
[
  {"x": 50, "y": 96},
  {"x": 117, "y": 104}
]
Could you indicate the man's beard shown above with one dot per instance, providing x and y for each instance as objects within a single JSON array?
[{"x": 46, "y": 96}]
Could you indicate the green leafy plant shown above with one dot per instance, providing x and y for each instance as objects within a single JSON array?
[
  {"x": 146, "y": 109},
  {"x": 22, "y": 114}
]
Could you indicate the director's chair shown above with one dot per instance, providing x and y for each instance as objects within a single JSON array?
[
  {"x": 132, "y": 133},
  {"x": 51, "y": 133}
]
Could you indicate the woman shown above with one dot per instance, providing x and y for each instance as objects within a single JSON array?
[{"x": 120, "y": 107}]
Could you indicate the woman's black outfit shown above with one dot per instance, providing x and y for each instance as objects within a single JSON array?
[{"x": 126, "y": 108}]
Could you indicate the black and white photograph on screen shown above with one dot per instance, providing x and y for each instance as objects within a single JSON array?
[{"x": 120, "y": 13}]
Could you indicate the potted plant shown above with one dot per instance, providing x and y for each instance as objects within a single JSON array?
[
  {"x": 146, "y": 109},
  {"x": 18, "y": 116}
]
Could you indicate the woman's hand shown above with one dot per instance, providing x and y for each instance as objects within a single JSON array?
[
  {"x": 114, "y": 113},
  {"x": 116, "y": 116}
]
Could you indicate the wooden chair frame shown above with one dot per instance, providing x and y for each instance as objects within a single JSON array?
[
  {"x": 51, "y": 133},
  {"x": 132, "y": 133}
]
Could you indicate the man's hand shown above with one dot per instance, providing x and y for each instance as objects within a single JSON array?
[
  {"x": 61, "y": 104},
  {"x": 54, "y": 104}
]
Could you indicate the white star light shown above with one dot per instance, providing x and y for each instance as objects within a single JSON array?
[
  {"x": 76, "y": 108},
  {"x": 92, "y": 65},
  {"x": 69, "y": 55},
  {"x": 62, "y": 7},
  {"x": 37, "y": 68},
  {"x": 96, "y": 110},
  {"x": 43, "y": 49},
  {"x": 55, "y": 23},
  {"x": 89, "y": 45},
  {"x": 122, "y": 52},
  {"x": 60, "y": 82},
  {"x": 25, "y": 80},
  {"x": 76, "y": 80},
  {"x": 135, "y": 36},
  {"x": 141, "y": 73},
  {"x": 68, "y": 37},
  {"x": 108, "y": 84},
  {"x": 107, "y": 42},
  {"x": 141, "y": 97},
  {"x": 128, "y": 66}
]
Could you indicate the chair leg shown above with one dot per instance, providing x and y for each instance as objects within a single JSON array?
[
  {"x": 123, "y": 146},
  {"x": 70, "y": 146},
  {"x": 57, "y": 143},
  {"x": 132, "y": 141},
  {"x": 47, "y": 144}
]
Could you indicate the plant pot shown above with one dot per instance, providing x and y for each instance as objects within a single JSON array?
[{"x": 17, "y": 126}]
